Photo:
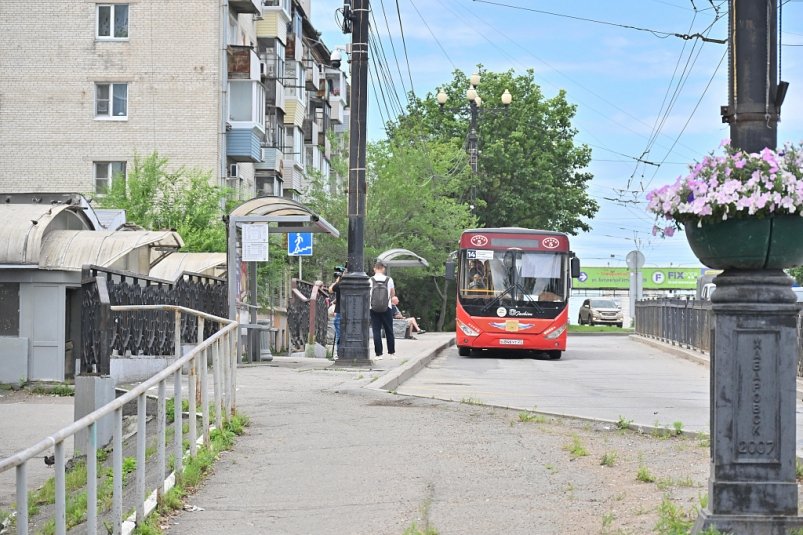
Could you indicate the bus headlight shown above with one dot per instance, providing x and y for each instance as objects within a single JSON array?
[
  {"x": 554, "y": 333},
  {"x": 467, "y": 330}
]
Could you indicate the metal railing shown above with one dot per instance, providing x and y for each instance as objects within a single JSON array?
[
  {"x": 682, "y": 322},
  {"x": 307, "y": 314},
  {"x": 221, "y": 345}
]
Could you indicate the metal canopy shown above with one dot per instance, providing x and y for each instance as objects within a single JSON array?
[
  {"x": 289, "y": 216},
  {"x": 174, "y": 264},
  {"x": 69, "y": 250},
  {"x": 402, "y": 258},
  {"x": 25, "y": 226}
]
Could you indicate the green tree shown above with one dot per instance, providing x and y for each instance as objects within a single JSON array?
[
  {"x": 410, "y": 205},
  {"x": 531, "y": 171},
  {"x": 183, "y": 200}
]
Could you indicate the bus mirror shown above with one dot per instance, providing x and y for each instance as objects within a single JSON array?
[
  {"x": 450, "y": 269},
  {"x": 575, "y": 267}
]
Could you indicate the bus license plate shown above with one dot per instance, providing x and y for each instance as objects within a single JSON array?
[{"x": 511, "y": 342}]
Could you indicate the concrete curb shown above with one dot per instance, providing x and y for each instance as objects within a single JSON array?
[{"x": 395, "y": 377}]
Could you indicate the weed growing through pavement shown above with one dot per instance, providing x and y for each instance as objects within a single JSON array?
[
  {"x": 576, "y": 448},
  {"x": 623, "y": 423},
  {"x": 798, "y": 469},
  {"x": 608, "y": 458},
  {"x": 678, "y": 427},
  {"x": 413, "y": 529},
  {"x": 471, "y": 401},
  {"x": 54, "y": 390},
  {"x": 527, "y": 416},
  {"x": 607, "y": 519},
  {"x": 672, "y": 519},
  {"x": 645, "y": 475},
  {"x": 551, "y": 468}
]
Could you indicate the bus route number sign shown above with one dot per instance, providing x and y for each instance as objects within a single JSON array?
[{"x": 479, "y": 254}]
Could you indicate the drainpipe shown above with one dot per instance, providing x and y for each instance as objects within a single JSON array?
[{"x": 223, "y": 106}]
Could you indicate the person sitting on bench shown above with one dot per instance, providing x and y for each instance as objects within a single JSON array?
[{"x": 399, "y": 316}]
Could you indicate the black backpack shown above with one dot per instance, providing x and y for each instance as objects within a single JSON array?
[{"x": 380, "y": 296}]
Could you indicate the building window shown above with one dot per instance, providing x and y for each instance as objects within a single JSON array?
[
  {"x": 111, "y": 101},
  {"x": 112, "y": 21},
  {"x": 107, "y": 173}
]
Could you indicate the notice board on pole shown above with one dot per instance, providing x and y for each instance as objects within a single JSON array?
[{"x": 255, "y": 242}]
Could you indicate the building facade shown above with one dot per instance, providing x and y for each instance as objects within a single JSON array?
[{"x": 240, "y": 88}]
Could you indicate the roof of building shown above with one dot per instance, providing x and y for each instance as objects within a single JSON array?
[
  {"x": 174, "y": 264},
  {"x": 69, "y": 250},
  {"x": 25, "y": 225}
]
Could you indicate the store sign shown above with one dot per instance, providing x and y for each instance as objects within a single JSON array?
[{"x": 662, "y": 278}]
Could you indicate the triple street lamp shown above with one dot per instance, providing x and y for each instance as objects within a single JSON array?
[{"x": 475, "y": 103}]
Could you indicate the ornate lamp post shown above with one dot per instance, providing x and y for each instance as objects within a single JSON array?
[{"x": 475, "y": 103}]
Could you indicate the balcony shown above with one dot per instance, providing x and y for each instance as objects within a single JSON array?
[
  {"x": 293, "y": 175},
  {"x": 243, "y": 145},
  {"x": 243, "y": 63},
  {"x": 313, "y": 75},
  {"x": 271, "y": 160},
  {"x": 312, "y": 131},
  {"x": 273, "y": 24},
  {"x": 246, "y": 6}
]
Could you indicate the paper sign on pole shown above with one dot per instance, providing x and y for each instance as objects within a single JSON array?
[{"x": 255, "y": 243}]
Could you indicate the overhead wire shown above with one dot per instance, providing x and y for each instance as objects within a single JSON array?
[
  {"x": 657, "y": 33},
  {"x": 404, "y": 43},
  {"x": 440, "y": 45},
  {"x": 392, "y": 47}
]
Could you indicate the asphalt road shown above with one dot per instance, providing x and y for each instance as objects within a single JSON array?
[{"x": 605, "y": 377}]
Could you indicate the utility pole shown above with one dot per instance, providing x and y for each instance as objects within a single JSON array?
[
  {"x": 752, "y": 485},
  {"x": 355, "y": 287}
]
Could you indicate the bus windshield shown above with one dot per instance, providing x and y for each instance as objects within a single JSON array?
[{"x": 513, "y": 278}]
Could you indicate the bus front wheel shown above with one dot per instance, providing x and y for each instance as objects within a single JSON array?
[
  {"x": 464, "y": 351},
  {"x": 555, "y": 355}
]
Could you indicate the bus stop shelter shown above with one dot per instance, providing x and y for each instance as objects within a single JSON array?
[
  {"x": 282, "y": 216},
  {"x": 393, "y": 258}
]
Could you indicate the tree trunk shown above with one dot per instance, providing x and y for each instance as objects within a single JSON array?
[{"x": 444, "y": 295}]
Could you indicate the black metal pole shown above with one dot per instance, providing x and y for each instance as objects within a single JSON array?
[
  {"x": 354, "y": 289},
  {"x": 752, "y": 75},
  {"x": 752, "y": 486}
]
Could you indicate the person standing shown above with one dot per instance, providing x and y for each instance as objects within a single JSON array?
[
  {"x": 334, "y": 290},
  {"x": 382, "y": 291}
]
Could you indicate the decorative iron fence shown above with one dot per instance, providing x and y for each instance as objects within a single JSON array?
[
  {"x": 307, "y": 313},
  {"x": 681, "y": 322},
  {"x": 220, "y": 349},
  {"x": 141, "y": 332},
  {"x": 687, "y": 323}
]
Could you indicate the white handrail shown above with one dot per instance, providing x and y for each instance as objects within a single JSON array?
[{"x": 220, "y": 345}]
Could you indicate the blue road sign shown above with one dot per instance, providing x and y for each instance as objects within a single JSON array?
[{"x": 299, "y": 244}]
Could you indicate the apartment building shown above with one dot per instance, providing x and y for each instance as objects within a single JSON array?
[{"x": 240, "y": 88}]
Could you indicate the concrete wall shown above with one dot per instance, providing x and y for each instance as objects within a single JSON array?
[{"x": 51, "y": 60}]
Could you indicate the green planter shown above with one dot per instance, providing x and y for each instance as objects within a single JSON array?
[{"x": 769, "y": 243}]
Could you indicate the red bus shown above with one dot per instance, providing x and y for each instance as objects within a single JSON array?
[{"x": 513, "y": 287}]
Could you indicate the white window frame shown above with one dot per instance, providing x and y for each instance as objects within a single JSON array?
[
  {"x": 111, "y": 36},
  {"x": 110, "y": 175},
  {"x": 109, "y": 116}
]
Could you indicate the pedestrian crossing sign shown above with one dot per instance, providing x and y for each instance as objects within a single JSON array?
[{"x": 299, "y": 244}]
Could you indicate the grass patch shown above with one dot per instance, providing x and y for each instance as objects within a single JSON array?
[
  {"x": 576, "y": 448},
  {"x": 623, "y": 423},
  {"x": 149, "y": 527},
  {"x": 608, "y": 458},
  {"x": 413, "y": 529},
  {"x": 798, "y": 469},
  {"x": 644, "y": 475},
  {"x": 471, "y": 401},
  {"x": 672, "y": 519},
  {"x": 53, "y": 390},
  {"x": 678, "y": 428},
  {"x": 527, "y": 416},
  {"x": 599, "y": 329}
]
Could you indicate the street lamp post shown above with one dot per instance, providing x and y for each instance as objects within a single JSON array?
[{"x": 474, "y": 103}]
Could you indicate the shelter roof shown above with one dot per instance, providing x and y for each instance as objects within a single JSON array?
[
  {"x": 402, "y": 258},
  {"x": 290, "y": 216},
  {"x": 175, "y": 264},
  {"x": 69, "y": 250},
  {"x": 26, "y": 225}
]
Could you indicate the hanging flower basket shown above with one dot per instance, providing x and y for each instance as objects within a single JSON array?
[{"x": 739, "y": 210}]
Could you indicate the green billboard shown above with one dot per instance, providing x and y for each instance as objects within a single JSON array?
[{"x": 618, "y": 278}]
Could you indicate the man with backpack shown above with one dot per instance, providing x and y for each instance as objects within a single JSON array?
[{"x": 382, "y": 291}]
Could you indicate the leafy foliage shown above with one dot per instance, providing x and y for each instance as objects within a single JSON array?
[
  {"x": 531, "y": 173},
  {"x": 183, "y": 200}
]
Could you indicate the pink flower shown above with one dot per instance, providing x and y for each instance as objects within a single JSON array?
[{"x": 669, "y": 231}]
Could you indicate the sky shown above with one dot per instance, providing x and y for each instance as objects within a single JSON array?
[{"x": 639, "y": 94}]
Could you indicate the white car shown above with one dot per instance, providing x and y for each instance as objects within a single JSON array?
[{"x": 600, "y": 311}]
